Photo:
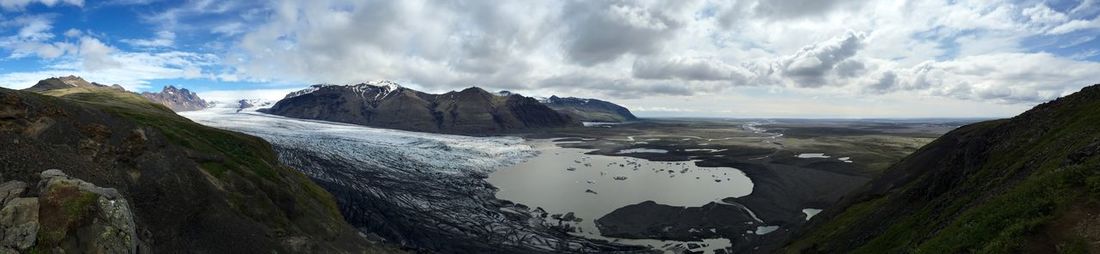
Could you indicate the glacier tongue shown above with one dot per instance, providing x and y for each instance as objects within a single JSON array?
[
  {"x": 396, "y": 149},
  {"x": 420, "y": 190}
]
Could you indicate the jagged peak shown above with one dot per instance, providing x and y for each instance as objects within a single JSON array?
[{"x": 72, "y": 80}]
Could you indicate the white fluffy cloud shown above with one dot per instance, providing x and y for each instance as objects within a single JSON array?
[
  {"x": 601, "y": 31},
  {"x": 968, "y": 50},
  {"x": 1006, "y": 77},
  {"x": 813, "y": 64},
  {"x": 634, "y": 48},
  {"x": 162, "y": 39},
  {"x": 21, "y": 4},
  {"x": 690, "y": 69}
]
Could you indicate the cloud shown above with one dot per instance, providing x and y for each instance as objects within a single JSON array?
[
  {"x": 19, "y": 5},
  {"x": 73, "y": 32},
  {"x": 162, "y": 39},
  {"x": 1075, "y": 25},
  {"x": 229, "y": 29},
  {"x": 646, "y": 50},
  {"x": 33, "y": 38},
  {"x": 1056, "y": 22},
  {"x": 811, "y": 65},
  {"x": 1042, "y": 15},
  {"x": 634, "y": 49},
  {"x": 94, "y": 59},
  {"x": 601, "y": 31},
  {"x": 691, "y": 69},
  {"x": 783, "y": 9},
  {"x": 622, "y": 88},
  {"x": 1003, "y": 78},
  {"x": 96, "y": 55},
  {"x": 223, "y": 96},
  {"x": 436, "y": 46}
]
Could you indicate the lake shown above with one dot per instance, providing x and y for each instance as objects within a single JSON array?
[{"x": 562, "y": 180}]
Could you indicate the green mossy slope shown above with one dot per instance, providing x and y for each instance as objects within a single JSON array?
[{"x": 192, "y": 187}]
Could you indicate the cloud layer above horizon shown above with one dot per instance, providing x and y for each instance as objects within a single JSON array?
[{"x": 749, "y": 58}]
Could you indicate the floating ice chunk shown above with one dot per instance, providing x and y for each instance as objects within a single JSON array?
[
  {"x": 642, "y": 150},
  {"x": 763, "y": 230},
  {"x": 812, "y": 155}
]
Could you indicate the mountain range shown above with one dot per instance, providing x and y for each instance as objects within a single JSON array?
[
  {"x": 386, "y": 104},
  {"x": 177, "y": 99}
]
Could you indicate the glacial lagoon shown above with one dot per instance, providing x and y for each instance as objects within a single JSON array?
[{"x": 562, "y": 180}]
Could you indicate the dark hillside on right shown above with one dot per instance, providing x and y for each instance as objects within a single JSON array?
[{"x": 1030, "y": 184}]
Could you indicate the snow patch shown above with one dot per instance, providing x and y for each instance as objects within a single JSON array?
[{"x": 810, "y": 212}]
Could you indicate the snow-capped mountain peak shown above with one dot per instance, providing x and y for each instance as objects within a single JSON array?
[{"x": 382, "y": 88}]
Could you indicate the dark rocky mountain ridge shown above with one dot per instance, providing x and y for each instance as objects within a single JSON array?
[
  {"x": 177, "y": 99},
  {"x": 590, "y": 110},
  {"x": 385, "y": 104}
]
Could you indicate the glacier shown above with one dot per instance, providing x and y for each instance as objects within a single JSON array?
[{"x": 419, "y": 190}]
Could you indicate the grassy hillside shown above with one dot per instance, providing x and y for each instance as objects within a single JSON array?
[
  {"x": 192, "y": 187},
  {"x": 1026, "y": 184}
]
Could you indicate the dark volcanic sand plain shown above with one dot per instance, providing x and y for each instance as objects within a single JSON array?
[{"x": 767, "y": 151}]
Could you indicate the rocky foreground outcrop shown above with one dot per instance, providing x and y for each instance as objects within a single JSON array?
[
  {"x": 385, "y": 104},
  {"x": 64, "y": 214}
]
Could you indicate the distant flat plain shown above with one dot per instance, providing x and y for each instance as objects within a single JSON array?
[{"x": 793, "y": 164}]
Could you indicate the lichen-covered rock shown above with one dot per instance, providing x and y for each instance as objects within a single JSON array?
[
  {"x": 19, "y": 223},
  {"x": 11, "y": 190},
  {"x": 79, "y": 216}
]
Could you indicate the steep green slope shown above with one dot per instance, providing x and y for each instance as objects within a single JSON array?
[
  {"x": 192, "y": 187},
  {"x": 1030, "y": 183}
]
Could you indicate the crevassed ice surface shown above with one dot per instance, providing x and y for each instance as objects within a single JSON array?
[{"x": 380, "y": 147}]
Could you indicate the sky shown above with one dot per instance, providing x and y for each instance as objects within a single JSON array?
[{"x": 686, "y": 58}]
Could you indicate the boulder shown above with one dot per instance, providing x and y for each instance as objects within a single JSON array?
[
  {"x": 81, "y": 217},
  {"x": 19, "y": 223},
  {"x": 11, "y": 190}
]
